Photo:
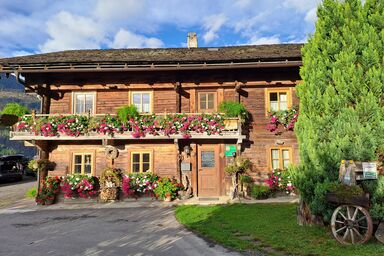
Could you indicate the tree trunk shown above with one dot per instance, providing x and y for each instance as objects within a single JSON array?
[{"x": 304, "y": 216}]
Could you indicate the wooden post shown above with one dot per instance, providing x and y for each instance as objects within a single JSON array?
[
  {"x": 194, "y": 166},
  {"x": 177, "y": 88},
  {"x": 178, "y": 159}
]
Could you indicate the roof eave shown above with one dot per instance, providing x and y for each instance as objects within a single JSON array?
[{"x": 124, "y": 67}]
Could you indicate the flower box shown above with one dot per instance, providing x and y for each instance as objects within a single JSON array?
[
  {"x": 361, "y": 200},
  {"x": 231, "y": 124}
]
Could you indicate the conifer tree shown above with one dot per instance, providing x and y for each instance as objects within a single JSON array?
[{"x": 341, "y": 96}]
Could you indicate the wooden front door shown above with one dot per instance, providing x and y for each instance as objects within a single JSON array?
[{"x": 208, "y": 171}]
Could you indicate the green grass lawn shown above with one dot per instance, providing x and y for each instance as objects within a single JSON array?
[{"x": 266, "y": 226}]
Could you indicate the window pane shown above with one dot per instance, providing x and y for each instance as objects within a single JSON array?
[
  {"x": 77, "y": 168},
  {"x": 283, "y": 101},
  {"x": 286, "y": 154},
  {"x": 211, "y": 104},
  {"x": 87, "y": 164},
  {"x": 207, "y": 159},
  {"x": 146, "y": 108},
  {"x": 273, "y": 96},
  {"x": 275, "y": 164},
  {"x": 135, "y": 167},
  {"x": 145, "y": 167},
  {"x": 80, "y": 103},
  {"x": 136, "y": 98},
  {"x": 89, "y": 102},
  {"x": 146, "y": 98},
  {"x": 283, "y": 96},
  {"x": 275, "y": 154},
  {"x": 136, "y": 158},
  {"x": 210, "y": 97},
  {"x": 203, "y": 101},
  {"x": 146, "y": 157},
  {"x": 78, "y": 159},
  {"x": 286, "y": 163}
]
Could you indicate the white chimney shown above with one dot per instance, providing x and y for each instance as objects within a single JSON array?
[{"x": 192, "y": 40}]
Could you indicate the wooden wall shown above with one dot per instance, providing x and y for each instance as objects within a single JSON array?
[
  {"x": 164, "y": 161},
  {"x": 253, "y": 95}
]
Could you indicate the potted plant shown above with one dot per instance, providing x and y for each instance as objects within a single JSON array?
[
  {"x": 237, "y": 166},
  {"x": 48, "y": 191},
  {"x": 110, "y": 182},
  {"x": 167, "y": 189},
  {"x": 246, "y": 182},
  {"x": 233, "y": 110}
]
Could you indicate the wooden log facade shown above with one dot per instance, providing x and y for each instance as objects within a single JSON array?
[{"x": 258, "y": 71}]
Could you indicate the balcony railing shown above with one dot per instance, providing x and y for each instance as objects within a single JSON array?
[{"x": 157, "y": 126}]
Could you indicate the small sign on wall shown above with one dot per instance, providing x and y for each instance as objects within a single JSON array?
[
  {"x": 185, "y": 166},
  {"x": 369, "y": 170},
  {"x": 230, "y": 150}
]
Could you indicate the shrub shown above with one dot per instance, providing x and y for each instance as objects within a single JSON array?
[
  {"x": 260, "y": 192},
  {"x": 125, "y": 113},
  {"x": 15, "y": 109},
  {"x": 234, "y": 109},
  {"x": 167, "y": 187}
]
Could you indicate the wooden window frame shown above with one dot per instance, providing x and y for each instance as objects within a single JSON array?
[
  {"x": 268, "y": 91},
  {"x": 82, "y": 154},
  {"x": 151, "y": 106},
  {"x": 141, "y": 152},
  {"x": 199, "y": 110},
  {"x": 74, "y": 93},
  {"x": 281, "y": 164}
]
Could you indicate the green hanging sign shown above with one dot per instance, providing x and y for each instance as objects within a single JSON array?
[{"x": 230, "y": 150}]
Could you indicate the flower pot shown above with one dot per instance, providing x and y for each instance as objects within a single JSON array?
[
  {"x": 231, "y": 124},
  {"x": 108, "y": 194},
  {"x": 168, "y": 198}
]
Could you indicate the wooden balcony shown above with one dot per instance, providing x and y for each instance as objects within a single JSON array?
[{"x": 146, "y": 127}]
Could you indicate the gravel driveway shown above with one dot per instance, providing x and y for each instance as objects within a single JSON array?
[
  {"x": 13, "y": 191},
  {"x": 130, "y": 231}
]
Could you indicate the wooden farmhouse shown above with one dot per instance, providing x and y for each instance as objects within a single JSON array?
[{"x": 160, "y": 82}]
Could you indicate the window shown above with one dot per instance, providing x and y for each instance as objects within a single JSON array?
[
  {"x": 278, "y": 99},
  {"x": 82, "y": 163},
  {"x": 83, "y": 102},
  {"x": 207, "y": 102},
  {"x": 142, "y": 101},
  {"x": 141, "y": 162},
  {"x": 207, "y": 159},
  {"x": 280, "y": 158}
]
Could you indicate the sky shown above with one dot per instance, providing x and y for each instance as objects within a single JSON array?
[{"x": 40, "y": 26}]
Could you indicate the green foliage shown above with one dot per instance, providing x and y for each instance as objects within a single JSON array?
[
  {"x": 15, "y": 109},
  {"x": 260, "y": 192},
  {"x": 31, "y": 193},
  {"x": 167, "y": 187},
  {"x": 239, "y": 165},
  {"x": 245, "y": 179},
  {"x": 376, "y": 189},
  {"x": 234, "y": 109},
  {"x": 341, "y": 108},
  {"x": 127, "y": 112}
]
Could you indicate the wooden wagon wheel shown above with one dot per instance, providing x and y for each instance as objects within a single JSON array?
[{"x": 351, "y": 224}]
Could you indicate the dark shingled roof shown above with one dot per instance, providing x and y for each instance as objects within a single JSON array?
[{"x": 236, "y": 54}]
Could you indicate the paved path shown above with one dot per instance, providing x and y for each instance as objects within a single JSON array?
[
  {"x": 107, "y": 231},
  {"x": 14, "y": 191}
]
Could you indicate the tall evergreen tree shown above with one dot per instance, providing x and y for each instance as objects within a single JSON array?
[{"x": 342, "y": 94}]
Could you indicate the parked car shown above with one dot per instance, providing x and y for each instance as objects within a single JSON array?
[{"x": 12, "y": 167}]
